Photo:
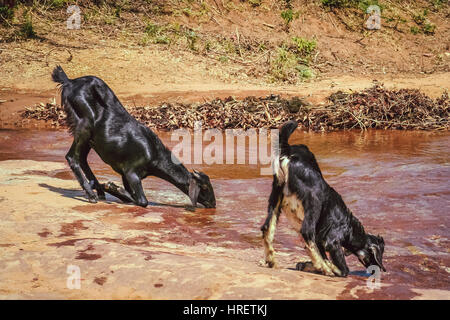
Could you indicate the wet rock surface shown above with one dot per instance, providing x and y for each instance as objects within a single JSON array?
[{"x": 124, "y": 252}]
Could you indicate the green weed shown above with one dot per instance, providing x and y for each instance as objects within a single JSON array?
[
  {"x": 6, "y": 13},
  {"x": 289, "y": 15},
  {"x": 26, "y": 29}
]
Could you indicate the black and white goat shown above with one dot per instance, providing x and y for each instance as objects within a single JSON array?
[
  {"x": 97, "y": 120},
  {"x": 316, "y": 211}
]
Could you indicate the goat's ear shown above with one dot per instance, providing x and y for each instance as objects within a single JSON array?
[
  {"x": 377, "y": 256},
  {"x": 196, "y": 174},
  {"x": 194, "y": 190}
]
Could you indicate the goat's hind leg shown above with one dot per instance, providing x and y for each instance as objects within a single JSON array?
[
  {"x": 73, "y": 157},
  {"x": 89, "y": 174},
  {"x": 269, "y": 226},
  {"x": 268, "y": 230}
]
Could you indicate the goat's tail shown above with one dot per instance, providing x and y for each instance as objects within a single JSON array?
[
  {"x": 59, "y": 76},
  {"x": 286, "y": 130}
]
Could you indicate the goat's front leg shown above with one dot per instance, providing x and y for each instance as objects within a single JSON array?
[
  {"x": 135, "y": 186},
  {"x": 117, "y": 192},
  {"x": 269, "y": 226},
  {"x": 312, "y": 209},
  {"x": 309, "y": 266},
  {"x": 124, "y": 194},
  {"x": 73, "y": 157},
  {"x": 318, "y": 262},
  {"x": 338, "y": 259},
  {"x": 322, "y": 251}
]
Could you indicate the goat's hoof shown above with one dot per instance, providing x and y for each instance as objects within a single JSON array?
[
  {"x": 92, "y": 198},
  {"x": 327, "y": 272},
  {"x": 323, "y": 269},
  {"x": 305, "y": 266},
  {"x": 271, "y": 264},
  {"x": 344, "y": 274},
  {"x": 101, "y": 196},
  {"x": 142, "y": 203},
  {"x": 333, "y": 268}
]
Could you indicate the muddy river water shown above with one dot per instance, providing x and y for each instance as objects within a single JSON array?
[{"x": 395, "y": 182}]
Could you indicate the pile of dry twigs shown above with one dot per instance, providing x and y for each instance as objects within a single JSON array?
[
  {"x": 379, "y": 108},
  {"x": 375, "y": 107}
]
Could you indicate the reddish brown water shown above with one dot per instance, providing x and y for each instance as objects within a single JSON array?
[{"x": 395, "y": 182}]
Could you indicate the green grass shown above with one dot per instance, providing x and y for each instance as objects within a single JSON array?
[
  {"x": 172, "y": 33},
  {"x": 420, "y": 18},
  {"x": 6, "y": 13},
  {"x": 192, "y": 39},
  {"x": 255, "y": 3},
  {"x": 26, "y": 29},
  {"x": 289, "y": 15},
  {"x": 423, "y": 24},
  {"x": 304, "y": 46},
  {"x": 429, "y": 28},
  {"x": 336, "y": 3},
  {"x": 153, "y": 29},
  {"x": 305, "y": 72},
  {"x": 293, "y": 60},
  {"x": 58, "y": 3},
  {"x": 438, "y": 4},
  {"x": 415, "y": 30},
  {"x": 223, "y": 59},
  {"x": 154, "y": 33},
  {"x": 362, "y": 4},
  {"x": 283, "y": 67}
]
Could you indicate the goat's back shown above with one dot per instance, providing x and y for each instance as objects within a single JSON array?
[
  {"x": 94, "y": 92},
  {"x": 301, "y": 154},
  {"x": 90, "y": 100}
]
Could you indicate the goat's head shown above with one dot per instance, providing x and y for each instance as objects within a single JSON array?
[
  {"x": 201, "y": 190},
  {"x": 372, "y": 252}
]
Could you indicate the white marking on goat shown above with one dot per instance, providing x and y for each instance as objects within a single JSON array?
[
  {"x": 276, "y": 165},
  {"x": 281, "y": 168},
  {"x": 291, "y": 205}
]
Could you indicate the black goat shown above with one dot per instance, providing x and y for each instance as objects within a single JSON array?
[
  {"x": 97, "y": 120},
  {"x": 317, "y": 211}
]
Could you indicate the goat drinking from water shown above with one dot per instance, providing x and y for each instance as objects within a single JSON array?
[
  {"x": 316, "y": 211},
  {"x": 97, "y": 120}
]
